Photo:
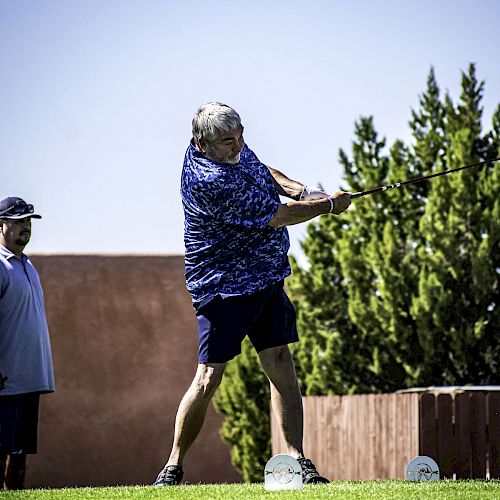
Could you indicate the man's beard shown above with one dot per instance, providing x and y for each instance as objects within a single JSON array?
[
  {"x": 23, "y": 239},
  {"x": 234, "y": 160}
]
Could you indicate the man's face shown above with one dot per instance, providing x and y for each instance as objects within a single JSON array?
[
  {"x": 226, "y": 148},
  {"x": 15, "y": 233}
]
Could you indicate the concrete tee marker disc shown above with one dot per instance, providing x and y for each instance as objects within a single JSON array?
[
  {"x": 422, "y": 468},
  {"x": 282, "y": 472}
]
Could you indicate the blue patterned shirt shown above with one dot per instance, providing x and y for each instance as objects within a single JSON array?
[{"x": 230, "y": 248}]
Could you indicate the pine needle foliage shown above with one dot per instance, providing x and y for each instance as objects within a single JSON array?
[{"x": 416, "y": 269}]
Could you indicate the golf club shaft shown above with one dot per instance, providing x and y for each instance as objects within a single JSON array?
[{"x": 423, "y": 178}]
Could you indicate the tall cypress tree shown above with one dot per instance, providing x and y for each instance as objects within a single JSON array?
[
  {"x": 399, "y": 261},
  {"x": 325, "y": 352},
  {"x": 361, "y": 250},
  {"x": 332, "y": 354},
  {"x": 427, "y": 126},
  {"x": 455, "y": 310}
]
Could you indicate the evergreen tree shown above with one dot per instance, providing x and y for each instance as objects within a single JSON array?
[
  {"x": 381, "y": 251},
  {"x": 456, "y": 306},
  {"x": 427, "y": 126},
  {"x": 358, "y": 247},
  {"x": 399, "y": 262},
  {"x": 325, "y": 352}
]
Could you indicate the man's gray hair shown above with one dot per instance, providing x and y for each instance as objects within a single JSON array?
[{"x": 213, "y": 120}]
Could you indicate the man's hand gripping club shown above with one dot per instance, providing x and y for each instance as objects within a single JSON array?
[{"x": 312, "y": 202}]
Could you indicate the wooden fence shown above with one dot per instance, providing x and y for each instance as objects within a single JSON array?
[
  {"x": 461, "y": 431},
  {"x": 375, "y": 436}
]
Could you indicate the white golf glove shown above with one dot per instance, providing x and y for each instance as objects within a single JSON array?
[{"x": 313, "y": 193}]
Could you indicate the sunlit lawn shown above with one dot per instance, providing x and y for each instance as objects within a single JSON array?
[{"x": 338, "y": 489}]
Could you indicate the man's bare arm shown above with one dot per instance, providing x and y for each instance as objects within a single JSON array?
[
  {"x": 285, "y": 186},
  {"x": 295, "y": 212}
]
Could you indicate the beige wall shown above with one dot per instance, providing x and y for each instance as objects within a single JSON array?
[{"x": 124, "y": 343}]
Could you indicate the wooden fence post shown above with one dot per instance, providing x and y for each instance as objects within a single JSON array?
[
  {"x": 462, "y": 436},
  {"x": 493, "y": 400},
  {"x": 428, "y": 430},
  {"x": 478, "y": 435},
  {"x": 446, "y": 441}
]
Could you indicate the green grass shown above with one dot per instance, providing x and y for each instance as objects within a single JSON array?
[{"x": 433, "y": 490}]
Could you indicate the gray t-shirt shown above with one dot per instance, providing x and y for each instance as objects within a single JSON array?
[{"x": 25, "y": 355}]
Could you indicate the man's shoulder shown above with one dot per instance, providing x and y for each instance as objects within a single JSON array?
[
  {"x": 5, "y": 266},
  {"x": 205, "y": 178},
  {"x": 5, "y": 253},
  {"x": 5, "y": 257},
  {"x": 8, "y": 259},
  {"x": 27, "y": 262},
  {"x": 201, "y": 173},
  {"x": 248, "y": 156}
]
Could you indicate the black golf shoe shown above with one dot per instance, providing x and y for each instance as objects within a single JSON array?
[
  {"x": 309, "y": 473},
  {"x": 171, "y": 475}
]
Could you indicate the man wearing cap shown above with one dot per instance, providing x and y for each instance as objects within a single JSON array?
[
  {"x": 236, "y": 260},
  {"x": 25, "y": 355}
]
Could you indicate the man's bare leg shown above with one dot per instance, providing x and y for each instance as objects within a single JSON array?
[
  {"x": 16, "y": 472},
  {"x": 286, "y": 398},
  {"x": 3, "y": 467},
  {"x": 193, "y": 408}
]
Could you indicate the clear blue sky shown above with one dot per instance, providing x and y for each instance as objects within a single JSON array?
[{"x": 97, "y": 97}]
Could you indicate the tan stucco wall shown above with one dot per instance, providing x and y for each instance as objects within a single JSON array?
[{"x": 124, "y": 343}]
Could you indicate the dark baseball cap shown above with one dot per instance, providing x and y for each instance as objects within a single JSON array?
[{"x": 16, "y": 208}]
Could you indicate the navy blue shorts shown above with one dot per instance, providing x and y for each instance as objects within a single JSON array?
[
  {"x": 267, "y": 317},
  {"x": 19, "y": 423}
]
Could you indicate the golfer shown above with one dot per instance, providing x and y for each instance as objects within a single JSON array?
[
  {"x": 25, "y": 355},
  {"x": 235, "y": 263}
]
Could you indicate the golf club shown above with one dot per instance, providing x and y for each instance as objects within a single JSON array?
[{"x": 423, "y": 178}]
